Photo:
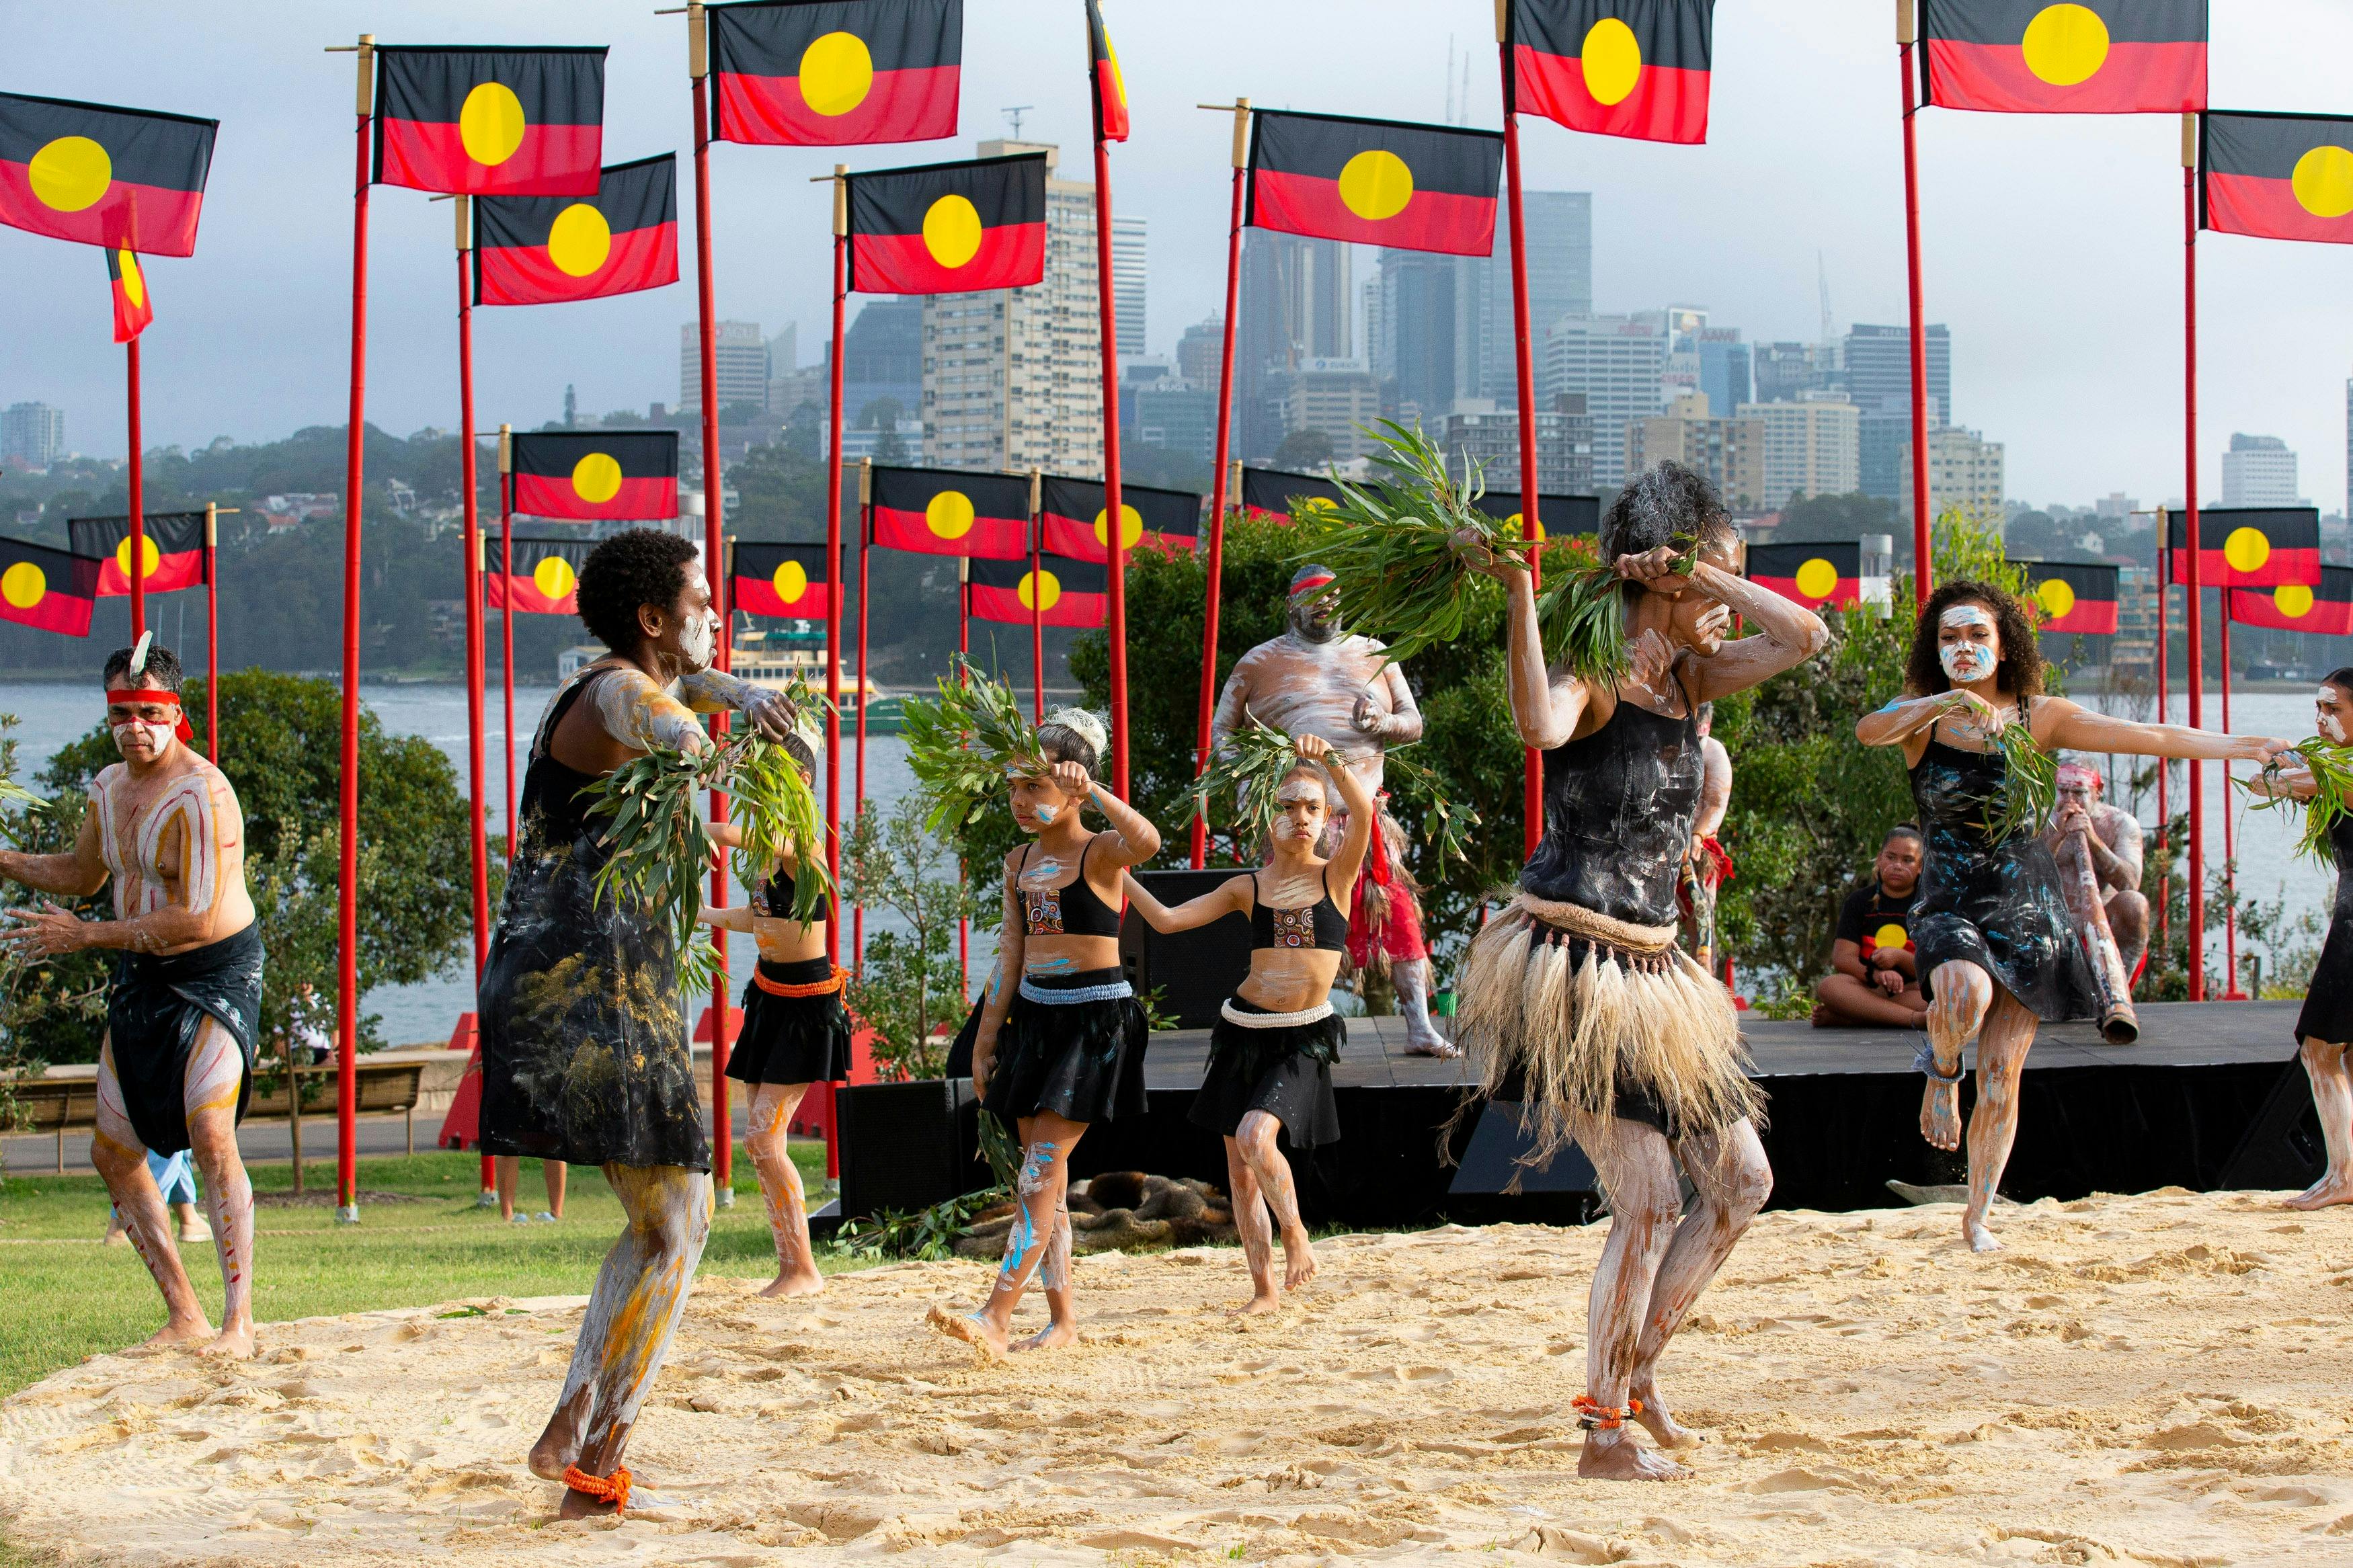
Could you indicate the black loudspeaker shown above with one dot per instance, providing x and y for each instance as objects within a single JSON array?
[
  {"x": 907, "y": 1146},
  {"x": 1499, "y": 1143},
  {"x": 2283, "y": 1148},
  {"x": 1193, "y": 971}
]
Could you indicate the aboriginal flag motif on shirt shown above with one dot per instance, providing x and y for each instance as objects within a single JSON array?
[
  {"x": 491, "y": 122},
  {"x": 788, "y": 580},
  {"x": 175, "y": 556},
  {"x": 827, "y": 73},
  {"x": 2076, "y": 56},
  {"x": 2292, "y": 607},
  {"x": 546, "y": 578},
  {"x": 123, "y": 178},
  {"x": 1812, "y": 574},
  {"x": 46, "y": 588},
  {"x": 1616, "y": 67},
  {"x": 1558, "y": 517},
  {"x": 127, "y": 281},
  {"x": 2073, "y": 596},
  {"x": 1071, "y": 519},
  {"x": 2277, "y": 176},
  {"x": 1375, "y": 182},
  {"x": 588, "y": 476},
  {"x": 949, "y": 511},
  {"x": 1066, "y": 593},
  {"x": 543, "y": 250},
  {"x": 2249, "y": 546},
  {"x": 1110, "y": 87},
  {"x": 1274, "y": 492},
  {"x": 949, "y": 228}
]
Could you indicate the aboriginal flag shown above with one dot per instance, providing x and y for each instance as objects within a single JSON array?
[
  {"x": 2276, "y": 176},
  {"x": 1375, "y": 182},
  {"x": 1812, "y": 574},
  {"x": 173, "y": 559},
  {"x": 1275, "y": 492},
  {"x": 1110, "y": 87},
  {"x": 1616, "y": 67},
  {"x": 491, "y": 122},
  {"x": 2083, "y": 56},
  {"x": 788, "y": 580},
  {"x": 2249, "y": 546},
  {"x": 1067, "y": 593},
  {"x": 948, "y": 512},
  {"x": 2073, "y": 597},
  {"x": 949, "y": 228},
  {"x": 46, "y": 588},
  {"x": 1559, "y": 517},
  {"x": 826, "y": 73},
  {"x": 545, "y": 579},
  {"x": 124, "y": 178},
  {"x": 1070, "y": 519},
  {"x": 2292, "y": 607},
  {"x": 543, "y": 250},
  {"x": 587, "y": 476},
  {"x": 127, "y": 281}
]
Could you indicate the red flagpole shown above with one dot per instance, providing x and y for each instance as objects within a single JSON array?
[
  {"x": 212, "y": 633},
  {"x": 1531, "y": 528},
  {"x": 1923, "y": 549},
  {"x": 865, "y": 687},
  {"x": 1115, "y": 514},
  {"x": 468, "y": 481},
  {"x": 1218, "y": 493},
  {"x": 833, "y": 550},
  {"x": 506, "y": 618},
  {"x": 347, "y": 990},
  {"x": 964, "y": 651},
  {"x": 2195, "y": 617},
  {"x": 138, "y": 495},
  {"x": 2231, "y": 992},
  {"x": 2164, "y": 689},
  {"x": 1036, "y": 615}
]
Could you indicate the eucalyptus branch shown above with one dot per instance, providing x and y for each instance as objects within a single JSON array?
[
  {"x": 2331, "y": 766},
  {"x": 962, "y": 745}
]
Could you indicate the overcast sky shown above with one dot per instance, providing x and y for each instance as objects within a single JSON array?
[{"x": 2052, "y": 245}]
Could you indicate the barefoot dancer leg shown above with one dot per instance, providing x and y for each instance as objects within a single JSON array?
[
  {"x": 781, "y": 1190},
  {"x": 1256, "y": 1227},
  {"x": 121, "y": 1162},
  {"x": 1733, "y": 1179},
  {"x": 1054, "y": 1277},
  {"x": 1256, "y": 1138},
  {"x": 1041, "y": 1189},
  {"x": 1968, "y": 1001},
  {"x": 216, "y": 1069},
  {"x": 1637, "y": 1169},
  {"x": 2332, "y": 1097}
]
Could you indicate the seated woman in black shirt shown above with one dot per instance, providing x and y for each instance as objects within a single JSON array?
[{"x": 1873, "y": 980}]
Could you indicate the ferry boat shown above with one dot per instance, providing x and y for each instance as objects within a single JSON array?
[{"x": 775, "y": 658}]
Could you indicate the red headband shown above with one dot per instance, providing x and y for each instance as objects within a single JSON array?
[
  {"x": 1309, "y": 585},
  {"x": 157, "y": 695}
]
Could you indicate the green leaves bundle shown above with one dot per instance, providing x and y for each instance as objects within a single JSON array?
[
  {"x": 961, "y": 744},
  {"x": 2331, "y": 766},
  {"x": 1449, "y": 826},
  {"x": 1251, "y": 764},
  {"x": 2031, "y": 789}
]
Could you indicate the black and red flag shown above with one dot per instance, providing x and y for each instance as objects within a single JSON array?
[
  {"x": 543, "y": 250},
  {"x": 589, "y": 476},
  {"x": 1277, "y": 493},
  {"x": 490, "y": 123},
  {"x": 949, "y": 228},
  {"x": 2084, "y": 57},
  {"x": 1812, "y": 574},
  {"x": 2276, "y": 176},
  {"x": 134, "y": 311},
  {"x": 1067, "y": 593},
  {"x": 2074, "y": 597},
  {"x": 545, "y": 579},
  {"x": 173, "y": 559},
  {"x": 1071, "y": 519},
  {"x": 1110, "y": 87},
  {"x": 950, "y": 512},
  {"x": 1559, "y": 517},
  {"x": 2292, "y": 607},
  {"x": 786, "y": 580},
  {"x": 1375, "y": 182},
  {"x": 125, "y": 178},
  {"x": 1616, "y": 67},
  {"x": 50, "y": 589},
  {"x": 2249, "y": 546},
  {"x": 827, "y": 73}
]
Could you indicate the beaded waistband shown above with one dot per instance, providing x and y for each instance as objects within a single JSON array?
[
  {"x": 1116, "y": 991},
  {"x": 1315, "y": 1015}
]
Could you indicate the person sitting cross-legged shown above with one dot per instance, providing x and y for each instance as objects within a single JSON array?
[{"x": 1874, "y": 982}]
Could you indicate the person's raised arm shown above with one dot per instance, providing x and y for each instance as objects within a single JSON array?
[
  {"x": 1787, "y": 633},
  {"x": 2063, "y": 725},
  {"x": 2292, "y": 782},
  {"x": 1546, "y": 707},
  {"x": 1131, "y": 840},
  {"x": 1906, "y": 717},
  {"x": 1364, "y": 814},
  {"x": 204, "y": 836},
  {"x": 1225, "y": 898},
  {"x": 1714, "y": 788},
  {"x": 737, "y": 918},
  {"x": 713, "y": 691},
  {"x": 637, "y": 711}
]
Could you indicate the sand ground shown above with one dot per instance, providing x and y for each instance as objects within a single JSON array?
[{"x": 2161, "y": 1379}]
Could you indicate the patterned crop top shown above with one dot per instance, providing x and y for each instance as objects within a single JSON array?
[
  {"x": 1072, "y": 910},
  {"x": 1319, "y": 926}
]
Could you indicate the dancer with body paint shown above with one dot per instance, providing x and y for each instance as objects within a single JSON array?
[
  {"x": 1270, "y": 1054},
  {"x": 585, "y": 1056},
  {"x": 1061, "y": 1047},
  {"x": 1577, "y": 1003},
  {"x": 175, "y": 1069},
  {"x": 1997, "y": 949},
  {"x": 2110, "y": 837}
]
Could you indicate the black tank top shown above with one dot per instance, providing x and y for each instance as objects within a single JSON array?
[
  {"x": 1074, "y": 911},
  {"x": 550, "y": 804},
  {"x": 774, "y": 901},
  {"x": 1319, "y": 926},
  {"x": 1618, "y": 811}
]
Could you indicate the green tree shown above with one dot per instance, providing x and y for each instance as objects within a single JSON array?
[{"x": 909, "y": 987}]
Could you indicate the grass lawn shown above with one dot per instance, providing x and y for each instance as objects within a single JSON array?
[{"x": 66, "y": 1298}]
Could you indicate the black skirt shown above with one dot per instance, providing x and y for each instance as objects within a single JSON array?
[
  {"x": 1083, "y": 1061},
  {"x": 792, "y": 1039},
  {"x": 1286, "y": 1072},
  {"x": 155, "y": 1009},
  {"x": 2327, "y": 1012}
]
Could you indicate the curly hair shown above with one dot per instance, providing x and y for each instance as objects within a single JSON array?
[
  {"x": 2019, "y": 673},
  {"x": 1658, "y": 505},
  {"x": 639, "y": 566}
]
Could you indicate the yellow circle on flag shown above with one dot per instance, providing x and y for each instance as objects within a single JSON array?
[
  {"x": 1816, "y": 579},
  {"x": 2065, "y": 44},
  {"x": 949, "y": 514},
  {"x": 1130, "y": 527},
  {"x": 1517, "y": 523},
  {"x": 2056, "y": 596},
  {"x": 490, "y": 123},
  {"x": 2293, "y": 600},
  {"x": 2247, "y": 549},
  {"x": 952, "y": 230},
  {"x": 1890, "y": 935},
  {"x": 69, "y": 175},
  {"x": 24, "y": 584},
  {"x": 1039, "y": 589},
  {"x": 1376, "y": 184},
  {"x": 1318, "y": 503},
  {"x": 148, "y": 555},
  {"x": 790, "y": 580},
  {"x": 579, "y": 240},
  {"x": 597, "y": 477},
  {"x": 1612, "y": 58},
  {"x": 2322, "y": 182},
  {"x": 134, "y": 282},
  {"x": 836, "y": 73},
  {"x": 554, "y": 576}
]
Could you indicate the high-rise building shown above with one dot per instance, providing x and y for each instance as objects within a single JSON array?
[
  {"x": 2258, "y": 470},
  {"x": 1965, "y": 472},
  {"x": 1784, "y": 371},
  {"x": 1878, "y": 371},
  {"x": 1415, "y": 354},
  {"x": 742, "y": 355},
  {"x": 1199, "y": 350},
  {"x": 1339, "y": 397},
  {"x": 1812, "y": 448},
  {"x": 1127, "y": 267},
  {"x": 1729, "y": 452},
  {"x": 1561, "y": 283},
  {"x": 1172, "y": 414},
  {"x": 1723, "y": 367},
  {"x": 882, "y": 369},
  {"x": 1614, "y": 363},
  {"x": 1298, "y": 303},
  {"x": 32, "y": 434},
  {"x": 1478, "y": 432},
  {"x": 1012, "y": 378}
]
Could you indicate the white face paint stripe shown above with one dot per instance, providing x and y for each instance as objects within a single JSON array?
[{"x": 1959, "y": 615}]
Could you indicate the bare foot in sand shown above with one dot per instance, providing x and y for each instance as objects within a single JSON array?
[
  {"x": 1052, "y": 1337},
  {"x": 2321, "y": 1194},
  {"x": 1298, "y": 1259},
  {"x": 1660, "y": 1422},
  {"x": 1940, "y": 1114},
  {"x": 231, "y": 1344},
  {"x": 1980, "y": 1239},
  {"x": 809, "y": 1283},
  {"x": 1261, "y": 1304},
  {"x": 973, "y": 1329},
  {"x": 558, "y": 1448},
  {"x": 1616, "y": 1457},
  {"x": 180, "y": 1331}
]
